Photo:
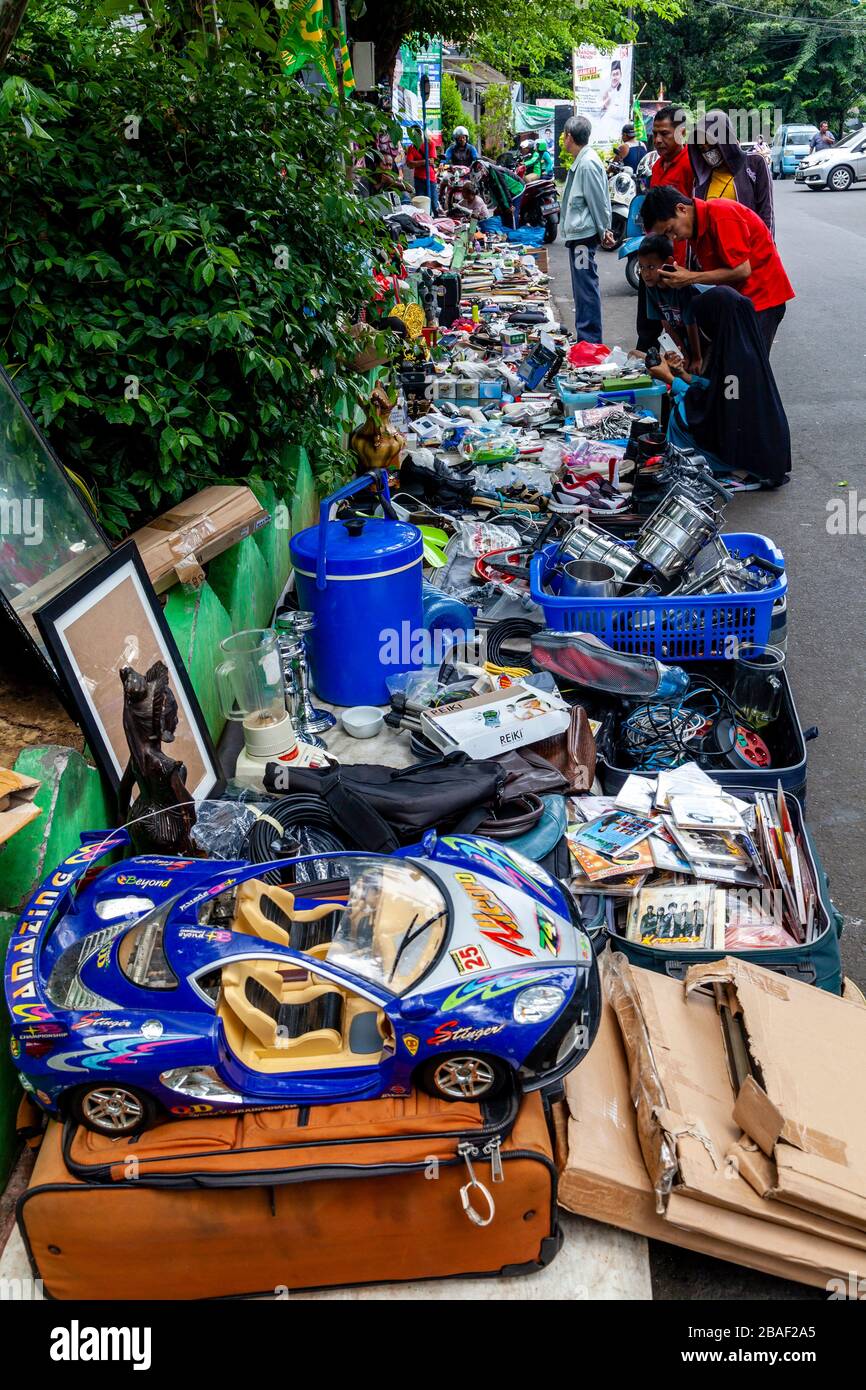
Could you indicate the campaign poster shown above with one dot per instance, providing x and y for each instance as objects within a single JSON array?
[{"x": 602, "y": 89}]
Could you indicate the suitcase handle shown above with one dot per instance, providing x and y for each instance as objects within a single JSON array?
[{"x": 804, "y": 971}]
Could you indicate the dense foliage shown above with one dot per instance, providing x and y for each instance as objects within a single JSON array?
[
  {"x": 806, "y": 61},
  {"x": 181, "y": 247},
  {"x": 452, "y": 112}
]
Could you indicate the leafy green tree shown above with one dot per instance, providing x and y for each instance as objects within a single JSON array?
[
  {"x": 808, "y": 66},
  {"x": 452, "y": 110},
  {"x": 519, "y": 40},
  {"x": 182, "y": 252}
]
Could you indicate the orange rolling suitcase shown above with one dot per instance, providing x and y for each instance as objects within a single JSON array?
[{"x": 394, "y": 1189}]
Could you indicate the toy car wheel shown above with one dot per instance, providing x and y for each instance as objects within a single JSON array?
[
  {"x": 111, "y": 1109},
  {"x": 463, "y": 1076}
]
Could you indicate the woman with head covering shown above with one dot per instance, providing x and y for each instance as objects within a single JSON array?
[
  {"x": 733, "y": 413},
  {"x": 723, "y": 170}
]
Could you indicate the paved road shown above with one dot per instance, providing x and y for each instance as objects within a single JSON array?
[{"x": 820, "y": 363}]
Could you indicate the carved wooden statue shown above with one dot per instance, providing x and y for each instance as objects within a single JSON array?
[{"x": 149, "y": 720}]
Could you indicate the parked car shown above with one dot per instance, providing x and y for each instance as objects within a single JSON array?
[
  {"x": 161, "y": 987},
  {"x": 790, "y": 145},
  {"x": 837, "y": 168}
]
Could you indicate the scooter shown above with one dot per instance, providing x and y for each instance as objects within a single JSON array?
[
  {"x": 622, "y": 189},
  {"x": 634, "y": 232},
  {"x": 519, "y": 202}
]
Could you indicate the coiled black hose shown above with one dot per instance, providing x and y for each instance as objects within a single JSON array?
[
  {"x": 501, "y": 638},
  {"x": 306, "y": 826}
]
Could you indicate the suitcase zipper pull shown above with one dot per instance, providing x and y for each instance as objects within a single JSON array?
[
  {"x": 493, "y": 1152},
  {"x": 467, "y": 1151}
]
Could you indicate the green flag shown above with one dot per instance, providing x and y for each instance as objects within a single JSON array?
[{"x": 639, "y": 123}]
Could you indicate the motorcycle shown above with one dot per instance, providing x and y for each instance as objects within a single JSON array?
[
  {"x": 634, "y": 232},
  {"x": 622, "y": 188},
  {"x": 519, "y": 202}
]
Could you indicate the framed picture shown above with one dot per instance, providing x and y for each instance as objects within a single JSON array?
[
  {"x": 48, "y": 535},
  {"x": 108, "y": 620}
]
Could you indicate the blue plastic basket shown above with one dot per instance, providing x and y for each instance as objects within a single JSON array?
[
  {"x": 699, "y": 627},
  {"x": 647, "y": 398}
]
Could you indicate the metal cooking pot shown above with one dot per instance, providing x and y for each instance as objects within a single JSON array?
[
  {"x": 587, "y": 542},
  {"x": 672, "y": 536}
]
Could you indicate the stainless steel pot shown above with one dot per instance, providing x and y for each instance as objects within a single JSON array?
[
  {"x": 587, "y": 542},
  {"x": 672, "y": 536}
]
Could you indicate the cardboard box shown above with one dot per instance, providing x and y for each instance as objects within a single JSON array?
[
  {"x": 675, "y": 1040},
  {"x": 605, "y": 1177},
  {"x": 17, "y": 807},
  {"x": 496, "y": 723},
  {"x": 805, "y": 1103},
  {"x": 174, "y": 546}
]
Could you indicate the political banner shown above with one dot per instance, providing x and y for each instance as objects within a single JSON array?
[{"x": 602, "y": 90}]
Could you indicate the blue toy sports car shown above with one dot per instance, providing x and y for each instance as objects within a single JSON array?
[{"x": 189, "y": 986}]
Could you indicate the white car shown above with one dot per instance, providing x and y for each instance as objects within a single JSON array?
[{"x": 837, "y": 168}]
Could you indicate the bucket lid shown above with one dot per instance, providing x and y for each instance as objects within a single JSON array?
[{"x": 372, "y": 545}]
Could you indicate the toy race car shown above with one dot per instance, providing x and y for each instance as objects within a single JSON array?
[{"x": 189, "y": 987}]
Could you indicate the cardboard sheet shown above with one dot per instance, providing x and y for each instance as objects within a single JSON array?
[
  {"x": 805, "y": 1104},
  {"x": 174, "y": 546},
  {"x": 605, "y": 1177},
  {"x": 17, "y": 806}
]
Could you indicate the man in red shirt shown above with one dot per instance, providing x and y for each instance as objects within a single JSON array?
[
  {"x": 732, "y": 247},
  {"x": 673, "y": 166},
  {"x": 418, "y": 167}
]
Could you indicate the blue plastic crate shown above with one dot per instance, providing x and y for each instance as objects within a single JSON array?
[
  {"x": 648, "y": 398},
  {"x": 695, "y": 628}
]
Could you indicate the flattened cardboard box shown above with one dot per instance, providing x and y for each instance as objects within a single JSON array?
[
  {"x": 679, "y": 1037},
  {"x": 605, "y": 1178},
  {"x": 174, "y": 546},
  {"x": 805, "y": 1104}
]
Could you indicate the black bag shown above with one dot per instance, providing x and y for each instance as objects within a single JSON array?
[{"x": 381, "y": 808}]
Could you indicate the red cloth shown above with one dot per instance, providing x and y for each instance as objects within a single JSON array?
[
  {"x": 728, "y": 233},
  {"x": 680, "y": 175}
]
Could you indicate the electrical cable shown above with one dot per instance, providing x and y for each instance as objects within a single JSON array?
[
  {"x": 664, "y": 733},
  {"x": 305, "y": 825},
  {"x": 501, "y": 638}
]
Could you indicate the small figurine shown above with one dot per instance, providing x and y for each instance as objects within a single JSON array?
[
  {"x": 150, "y": 718},
  {"x": 376, "y": 444}
]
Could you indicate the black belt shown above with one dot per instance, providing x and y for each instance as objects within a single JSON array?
[{"x": 512, "y": 817}]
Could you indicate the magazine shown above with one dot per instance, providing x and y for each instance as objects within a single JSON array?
[{"x": 684, "y": 918}]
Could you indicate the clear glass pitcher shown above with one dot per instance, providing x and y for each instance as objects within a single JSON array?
[{"x": 250, "y": 679}]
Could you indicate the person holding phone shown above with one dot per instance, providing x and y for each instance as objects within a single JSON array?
[
  {"x": 731, "y": 245},
  {"x": 732, "y": 413},
  {"x": 669, "y": 309}
]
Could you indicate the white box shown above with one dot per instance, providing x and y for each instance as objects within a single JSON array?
[{"x": 496, "y": 723}]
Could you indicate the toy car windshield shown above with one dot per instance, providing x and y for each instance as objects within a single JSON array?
[{"x": 394, "y": 924}]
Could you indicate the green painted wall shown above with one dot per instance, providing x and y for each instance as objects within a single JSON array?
[{"x": 10, "y": 1091}]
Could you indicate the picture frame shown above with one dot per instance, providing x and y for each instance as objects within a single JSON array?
[
  {"x": 49, "y": 536},
  {"x": 108, "y": 619}
]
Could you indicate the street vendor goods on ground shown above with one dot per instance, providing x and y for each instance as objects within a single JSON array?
[{"x": 455, "y": 825}]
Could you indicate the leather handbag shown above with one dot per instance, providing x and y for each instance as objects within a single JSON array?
[{"x": 573, "y": 752}]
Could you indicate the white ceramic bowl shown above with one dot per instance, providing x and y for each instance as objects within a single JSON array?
[{"x": 362, "y": 721}]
